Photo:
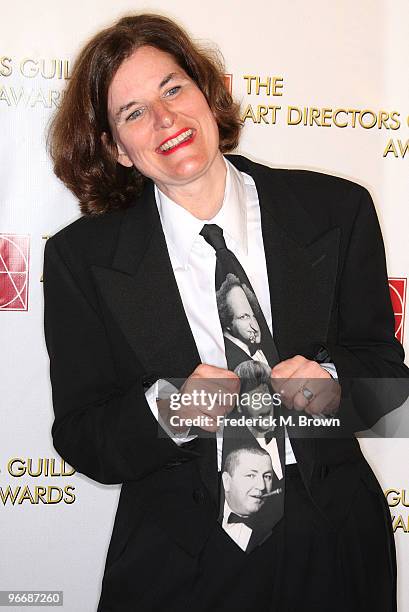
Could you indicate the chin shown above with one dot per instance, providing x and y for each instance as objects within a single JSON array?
[{"x": 191, "y": 168}]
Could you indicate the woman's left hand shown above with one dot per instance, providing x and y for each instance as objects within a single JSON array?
[{"x": 304, "y": 385}]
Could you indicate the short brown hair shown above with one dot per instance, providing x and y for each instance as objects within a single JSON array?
[{"x": 87, "y": 163}]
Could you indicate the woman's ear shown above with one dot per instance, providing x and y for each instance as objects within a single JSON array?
[
  {"x": 115, "y": 150},
  {"x": 122, "y": 157}
]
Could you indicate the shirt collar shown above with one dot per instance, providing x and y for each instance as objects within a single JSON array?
[{"x": 181, "y": 228}]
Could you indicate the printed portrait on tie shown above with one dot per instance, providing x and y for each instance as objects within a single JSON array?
[
  {"x": 252, "y": 470},
  {"x": 239, "y": 313},
  {"x": 248, "y": 478},
  {"x": 260, "y": 407}
]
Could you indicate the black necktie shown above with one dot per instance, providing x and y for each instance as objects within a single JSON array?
[
  {"x": 228, "y": 269},
  {"x": 245, "y": 332}
]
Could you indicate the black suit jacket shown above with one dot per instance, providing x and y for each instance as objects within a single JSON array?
[{"x": 115, "y": 323}]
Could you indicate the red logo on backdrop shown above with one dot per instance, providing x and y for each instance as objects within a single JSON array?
[
  {"x": 14, "y": 260},
  {"x": 228, "y": 81},
  {"x": 397, "y": 288}
]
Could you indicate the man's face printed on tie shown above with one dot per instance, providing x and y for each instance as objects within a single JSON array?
[
  {"x": 244, "y": 325},
  {"x": 254, "y": 407},
  {"x": 249, "y": 480}
]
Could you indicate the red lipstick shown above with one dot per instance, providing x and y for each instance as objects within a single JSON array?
[{"x": 184, "y": 143}]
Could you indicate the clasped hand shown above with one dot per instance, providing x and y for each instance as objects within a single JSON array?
[
  {"x": 216, "y": 389},
  {"x": 303, "y": 385}
]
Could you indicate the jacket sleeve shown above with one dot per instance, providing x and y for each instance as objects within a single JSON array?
[
  {"x": 368, "y": 358},
  {"x": 101, "y": 429}
]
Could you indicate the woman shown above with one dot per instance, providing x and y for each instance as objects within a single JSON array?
[{"x": 129, "y": 299}]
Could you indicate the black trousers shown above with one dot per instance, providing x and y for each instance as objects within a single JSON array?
[{"x": 308, "y": 564}]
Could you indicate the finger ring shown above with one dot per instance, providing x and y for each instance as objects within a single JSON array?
[{"x": 307, "y": 393}]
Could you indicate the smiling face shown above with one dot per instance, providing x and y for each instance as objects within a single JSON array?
[
  {"x": 250, "y": 480},
  {"x": 161, "y": 121}
]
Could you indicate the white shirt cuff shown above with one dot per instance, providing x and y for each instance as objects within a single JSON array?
[
  {"x": 152, "y": 395},
  {"x": 330, "y": 368}
]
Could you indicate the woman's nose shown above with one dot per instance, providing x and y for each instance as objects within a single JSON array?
[{"x": 164, "y": 117}]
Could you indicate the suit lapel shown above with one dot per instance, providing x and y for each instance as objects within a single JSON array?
[
  {"x": 141, "y": 292},
  {"x": 302, "y": 284}
]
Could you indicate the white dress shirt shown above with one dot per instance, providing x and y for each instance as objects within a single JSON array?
[{"x": 194, "y": 262}]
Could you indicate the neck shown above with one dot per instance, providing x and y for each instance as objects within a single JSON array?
[{"x": 203, "y": 197}]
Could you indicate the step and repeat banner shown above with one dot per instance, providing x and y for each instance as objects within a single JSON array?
[{"x": 322, "y": 86}]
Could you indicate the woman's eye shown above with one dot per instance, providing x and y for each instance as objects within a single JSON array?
[
  {"x": 135, "y": 114},
  {"x": 173, "y": 91}
]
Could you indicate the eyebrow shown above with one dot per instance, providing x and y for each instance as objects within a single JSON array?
[
  {"x": 166, "y": 80},
  {"x": 128, "y": 105}
]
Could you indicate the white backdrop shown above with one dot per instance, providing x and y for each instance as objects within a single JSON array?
[{"x": 350, "y": 55}]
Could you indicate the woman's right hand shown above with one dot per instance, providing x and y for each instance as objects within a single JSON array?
[{"x": 203, "y": 400}]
